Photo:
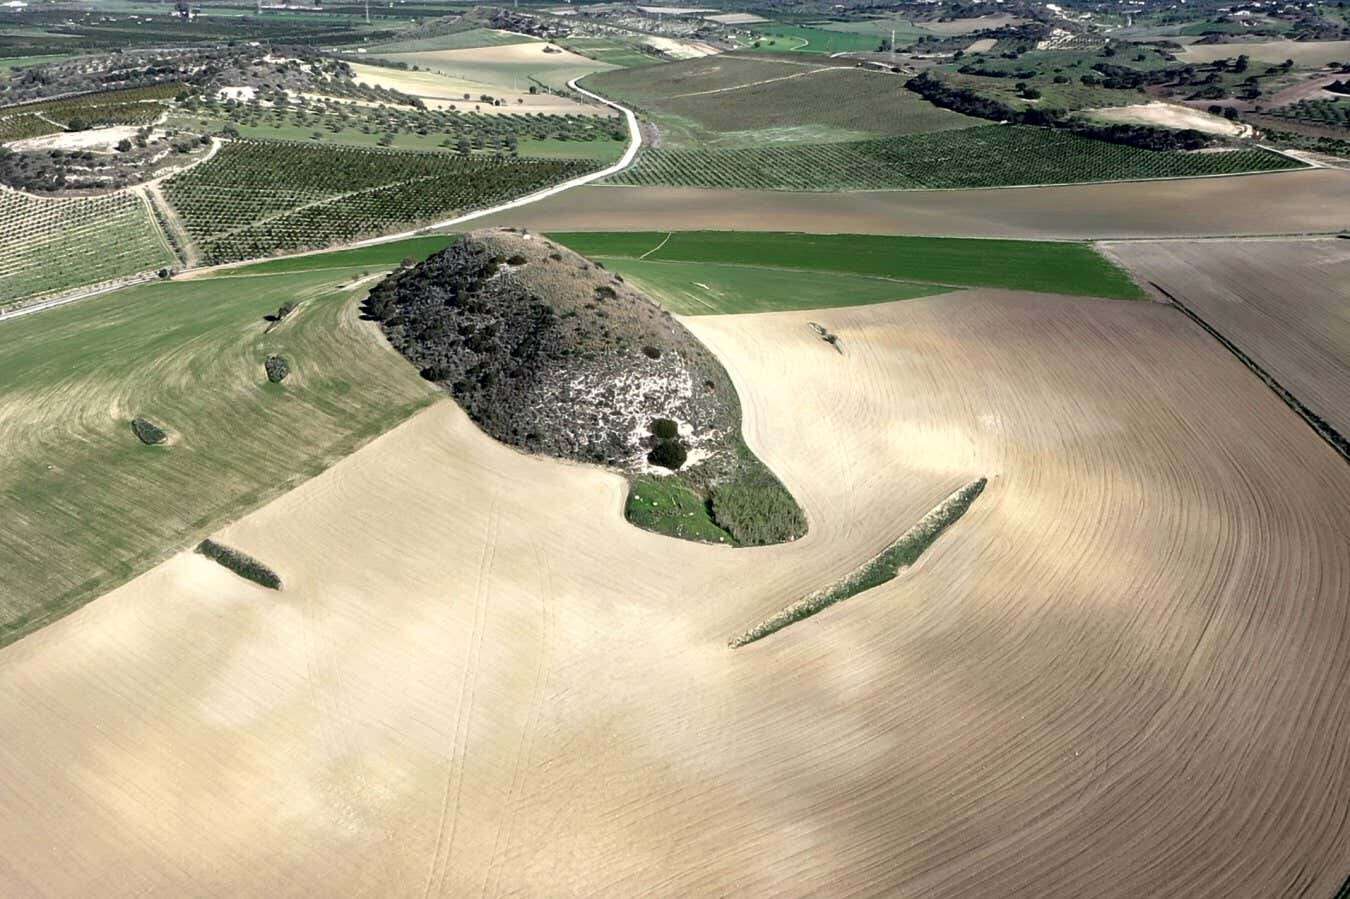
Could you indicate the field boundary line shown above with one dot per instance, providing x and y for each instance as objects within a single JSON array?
[{"x": 1322, "y": 428}]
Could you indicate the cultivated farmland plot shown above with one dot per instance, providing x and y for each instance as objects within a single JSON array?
[
  {"x": 987, "y": 156},
  {"x": 1121, "y": 673},
  {"x": 1283, "y": 302},
  {"x": 256, "y": 199},
  {"x": 56, "y": 243}
]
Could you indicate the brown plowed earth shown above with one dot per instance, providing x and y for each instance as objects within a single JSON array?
[
  {"x": 1310, "y": 201},
  {"x": 1125, "y": 671},
  {"x": 1285, "y": 303}
]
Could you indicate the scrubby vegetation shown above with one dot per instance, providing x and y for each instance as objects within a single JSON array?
[
  {"x": 277, "y": 368},
  {"x": 899, "y": 555},
  {"x": 240, "y": 563},
  {"x": 148, "y": 432},
  {"x": 551, "y": 353}
]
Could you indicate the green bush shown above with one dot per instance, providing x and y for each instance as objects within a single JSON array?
[
  {"x": 664, "y": 429},
  {"x": 668, "y": 454},
  {"x": 240, "y": 563},
  {"x": 149, "y": 433}
]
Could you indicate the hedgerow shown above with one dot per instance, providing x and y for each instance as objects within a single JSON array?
[
  {"x": 901, "y": 554},
  {"x": 240, "y": 563}
]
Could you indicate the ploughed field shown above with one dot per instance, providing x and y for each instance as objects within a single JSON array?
[
  {"x": 1122, "y": 672},
  {"x": 1285, "y": 303},
  {"x": 1302, "y": 201}
]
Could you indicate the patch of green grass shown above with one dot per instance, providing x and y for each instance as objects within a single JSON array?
[
  {"x": 612, "y": 50},
  {"x": 87, "y": 507},
  {"x": 601, "y": 151},
  {"x": 704, "y": 288},
  {"x": 1048, "y": 266},
  {"x": 667, "y": 505},
  {"x": 777, "y": 38}
]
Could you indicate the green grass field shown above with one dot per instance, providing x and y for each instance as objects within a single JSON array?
[
  {"x": 1049, "y": 266},
  {"x": 88, "y": 506},
  {"x": 612, "y": 50},
  {"x": 778, "y": 38},
  {"x": 710, "y": 288}
]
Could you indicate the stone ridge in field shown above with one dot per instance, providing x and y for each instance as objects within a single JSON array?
[{"x": 551, "y": 353}]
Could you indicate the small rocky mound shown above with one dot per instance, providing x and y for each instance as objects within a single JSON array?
[{"x": 551, "y": 353}]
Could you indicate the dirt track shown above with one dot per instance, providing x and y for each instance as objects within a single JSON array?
[
  {"x": 1316, "y": 201},
  {"x": 1125, "y": 672}
]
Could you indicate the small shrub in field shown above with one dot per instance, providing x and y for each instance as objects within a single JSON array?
[
  {"x": 651, "y": 352},
  {"x": 240, "y": 563},
  {"x": 148, "y": 432},
  {"x": 664, "y": 429},
  {"x": 668, "y": 454},
  {"x": 517, "y": 260},
  {"x": 277, "y": 368}
]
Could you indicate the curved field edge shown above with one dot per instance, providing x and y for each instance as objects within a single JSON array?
[
  {"x": 94, "y": 507},
  {"x": 1068, "y": 267},
  {"x": 884, "y": 567}
]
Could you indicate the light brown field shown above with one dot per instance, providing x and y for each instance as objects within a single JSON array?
[
  {"x": 441, "y": 91},
  {"x": 1286, "y": 303},
  {"x": 1122, "y": 673},
  {"x": 506, "y": 65},
  {"x": 1306, "y": 53},
  {"x": 1314, "y": 201},
  {"x": 1169, "y": 115},
  {"x": 966, "y": 26}
]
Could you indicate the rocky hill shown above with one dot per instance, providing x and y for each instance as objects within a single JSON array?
[{"x": 551, "y": 353}]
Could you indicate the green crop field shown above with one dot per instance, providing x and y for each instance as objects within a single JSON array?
[
  {"x": 643, "y": 87},
  {"x": 258, "y": 199},
  {"x": 778, "y": 38},
  {"x": 858, "y": 102},
  {"x": 925, "y": 263},
  {"x": 710, "y": 288},
  {"x": 613, "y": 50},
  {"x": 985, "y": 156},
  {"x": 88, "y": 506},
  {"x": 507, "y": 72},
  {"x": 53, "y": 244}
]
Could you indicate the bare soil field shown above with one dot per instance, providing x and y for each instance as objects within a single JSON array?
[
  {"x": 1305, "y": 53},
  {"x": 1312, "y": 201},
  {"x": 966, "y": 26},
  {"x": 1123, "y": 672},
  {"x": 1169, "y": 115},
  {"x": 1286, "y": 303},
  {"x": 507, "y": 65},
  {"x": 440, "y": 91}
]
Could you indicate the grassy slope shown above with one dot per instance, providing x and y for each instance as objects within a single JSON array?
[
  {"x": 89, "y": 506},
  {"x": 1054, "y": 267}
]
